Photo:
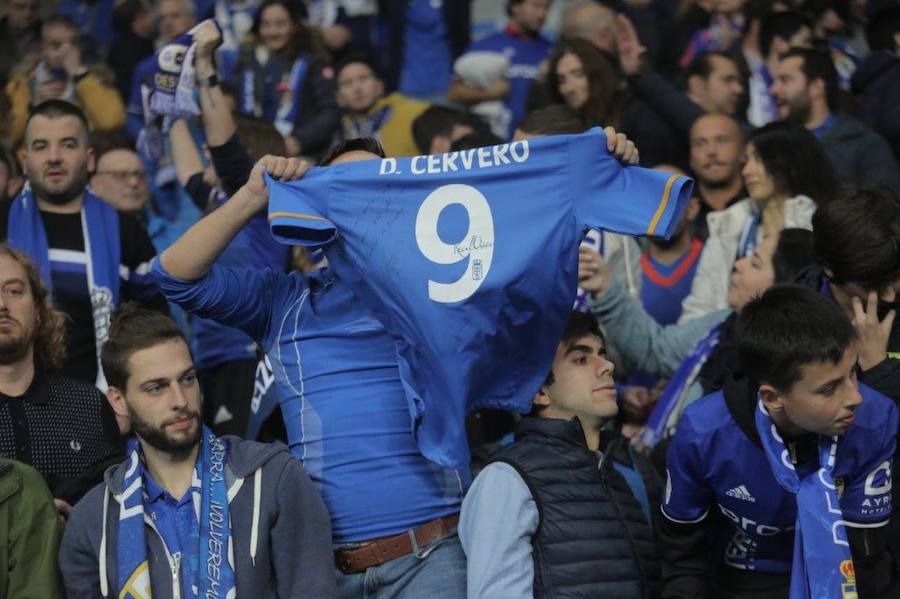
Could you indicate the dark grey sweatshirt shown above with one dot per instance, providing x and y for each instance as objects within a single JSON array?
[{"x": 280, "y": 531}]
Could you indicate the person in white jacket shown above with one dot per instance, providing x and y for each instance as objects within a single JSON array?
[{"x": 787, "y": 174}]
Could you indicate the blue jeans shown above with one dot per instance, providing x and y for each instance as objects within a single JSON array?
[{"x": 436, "y": 571}]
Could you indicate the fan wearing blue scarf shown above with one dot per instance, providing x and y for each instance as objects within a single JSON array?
[
  {"x": 179, "y": 515},
  {"x": 91, "y": 257},
  {"x": 779, "y": 486}
]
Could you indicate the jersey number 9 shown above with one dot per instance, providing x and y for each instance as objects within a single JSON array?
[{"x": 477, "y": 246}]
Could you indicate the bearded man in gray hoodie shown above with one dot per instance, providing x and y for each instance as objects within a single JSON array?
[{"x": 189, "y": 514}]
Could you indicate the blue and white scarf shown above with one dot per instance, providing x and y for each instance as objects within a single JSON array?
[
  {"x": 100, "y": 229},
  {"x": 821, "y": 548},
  {"x": 289, "y": 101},
  {"x": 171, "y": 83},
  {"x": 210, "y": 497},
  {"x": 668, "y": 409}
]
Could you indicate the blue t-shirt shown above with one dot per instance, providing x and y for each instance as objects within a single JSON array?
[
  {"x": 713, "y": 465},
  {"x": 469, "y": 260},
  {"x": 176, "y": 522},
  {"x": 253, "y": 247},
  {"x": 344, "y": 408},
  {"x": 427, "y": 60},
  {"x": 664, "y": 286},
  {"x": 525, "y": 55}
]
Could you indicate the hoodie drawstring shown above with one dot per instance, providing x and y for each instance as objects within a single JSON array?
[
  {"x": 254, "y": 530},
  {"x": 104, "y": 585}
]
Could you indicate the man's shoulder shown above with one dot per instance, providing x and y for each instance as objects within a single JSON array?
[
  {"x": 500, "y": 477},
  {"x": 90, "y": 506},
  {"x": 846, "y": 126},
  {"x": 495, "y": 42},
  {"x": 874, "y": 414},
  {"x": 708, "y": 415},
  {"x": 61, "y": 384},
  {"x": 20, "y": 478}
]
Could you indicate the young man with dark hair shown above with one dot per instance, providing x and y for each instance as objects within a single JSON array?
[
  {"x": 557, "y": 119},
  {"x": 435, "y": 130},
  {"x": 369, "y": 113},
  {"x": 565, "y": 508},
  {"x": 780, "y": 483},
  {"x": 522, "y": 43},
  {"x": 806, "y": 91},
  {"x": 857, "y": 249},
  {"x": 762, "y": 30},
  {"x": 91, "y": 256},
  {"x": 713, "y": 81},
  {"x": 190, "y": 514}
]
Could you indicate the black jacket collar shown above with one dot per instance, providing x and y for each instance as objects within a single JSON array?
[{"x": 566, "y": 431}]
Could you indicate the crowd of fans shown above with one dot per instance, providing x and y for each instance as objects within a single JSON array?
[{"x": 192, "y": 406}]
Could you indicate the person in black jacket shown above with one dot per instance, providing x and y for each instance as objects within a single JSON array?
[
  {"x": 284, "y": 77},
  {"x": 564, "y": 511},
  {"x": 876, "y": 82}
]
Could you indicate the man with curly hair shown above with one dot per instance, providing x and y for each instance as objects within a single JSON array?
[{"x": 63, "y": 428}]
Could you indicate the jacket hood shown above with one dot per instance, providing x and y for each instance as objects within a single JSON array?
[
  {"x": 244, "y": 458},
  {"x": 740, "y": 398},
  {"x": 874, "y": 68}
]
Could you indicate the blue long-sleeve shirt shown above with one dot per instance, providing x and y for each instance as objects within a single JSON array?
[{"x": 344, "y": 407}]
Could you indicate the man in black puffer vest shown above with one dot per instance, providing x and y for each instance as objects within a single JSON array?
[{"x": 552, "y": 516}]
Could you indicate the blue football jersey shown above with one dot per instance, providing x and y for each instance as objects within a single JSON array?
[
  {"x": 469, "y": 259},
  {"x": 713, "y": 465}
]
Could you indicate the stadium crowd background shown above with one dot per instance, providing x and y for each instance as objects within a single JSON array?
[{"x": 786, "y": 114}]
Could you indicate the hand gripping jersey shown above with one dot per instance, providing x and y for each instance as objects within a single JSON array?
[
  {"x": 713, "y": 465},
  {"x": 469, "y": 259}
]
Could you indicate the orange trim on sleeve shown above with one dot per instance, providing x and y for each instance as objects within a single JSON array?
[
  {"x": 275, "y": 215},
  {"x": 663, "y": 203}
]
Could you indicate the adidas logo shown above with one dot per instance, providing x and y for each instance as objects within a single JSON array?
[{"x": 741, "y": 492}]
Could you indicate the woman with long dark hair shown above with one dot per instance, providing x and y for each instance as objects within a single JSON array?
[
  {"x": 583, "y": 78},
  {"x": 284, "y": 77},
  {"x": 787, "y": 175}
]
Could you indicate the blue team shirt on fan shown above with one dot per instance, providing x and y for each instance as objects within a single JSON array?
[
  {"x": 433, "y": 245},
  {"x": 714, "y": 466},
  {"x": 525, "y": 54},
  {"x": 334, "y": 370},
  {"x": 664, "y": 286},
  {"x": 427, "y": 60}
]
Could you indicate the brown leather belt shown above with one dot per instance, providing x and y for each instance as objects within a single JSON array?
[{"x": 380, "y": 551}]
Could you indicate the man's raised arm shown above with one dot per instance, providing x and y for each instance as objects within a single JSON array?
[{"x": 193, "y": 254}]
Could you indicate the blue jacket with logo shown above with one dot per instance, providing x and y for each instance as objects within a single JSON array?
[{"x": 724, "y": 511}]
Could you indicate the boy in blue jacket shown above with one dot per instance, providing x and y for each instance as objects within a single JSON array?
[{"x": 780, "y": 484}]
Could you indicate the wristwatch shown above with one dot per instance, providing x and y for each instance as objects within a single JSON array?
[{"x": 211, "y": 81}]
